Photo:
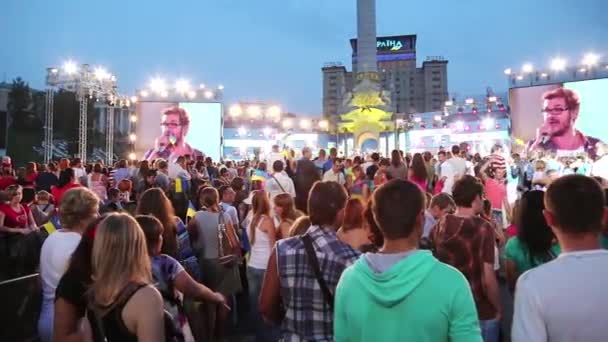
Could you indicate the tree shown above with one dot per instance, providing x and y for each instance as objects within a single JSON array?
[{"x": 20, "y": 105}]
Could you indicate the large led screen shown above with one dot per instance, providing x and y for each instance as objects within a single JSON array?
[
  {"x": 170, "y": 129},
  {"x": 569, "y": 118}
]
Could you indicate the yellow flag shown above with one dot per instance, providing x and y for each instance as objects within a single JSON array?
[{"x": 178, "y": 185}]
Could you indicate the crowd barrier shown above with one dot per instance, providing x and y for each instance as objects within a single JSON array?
[{"x": 21, "y": 299}]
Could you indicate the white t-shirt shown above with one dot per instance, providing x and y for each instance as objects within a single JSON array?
[
  {"x": 54, "y": 258},
  {"x": 79, "y": 174},
  {"x": 600, "y": 167},
  {"x": 453, "y": 169},
  {"x": 563, "y": 300},
  {"x": 272, "y": 157},
  {"x": 176, "y": 170},
  {"x": 273, "y": 188},
  {"x": 331, "y": 176}
]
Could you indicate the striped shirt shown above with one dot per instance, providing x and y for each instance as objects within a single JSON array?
[
  {"x": 307, "y": 315},
  {"x": 498, "y": 166}
]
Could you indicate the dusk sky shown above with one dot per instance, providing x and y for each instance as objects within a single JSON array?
[{"x": 273, "y": 50}]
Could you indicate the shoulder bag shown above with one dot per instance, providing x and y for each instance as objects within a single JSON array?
[{"x": 314, "y": 264}]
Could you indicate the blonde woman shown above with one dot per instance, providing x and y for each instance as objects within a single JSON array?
[
  {"x": 262, "y": 236},
  {"x": 77, "y": 210},
  {"x": 16, "y": 218},
  {"x": 285, "y": 212},
  {"x": 124, "y": 300}
]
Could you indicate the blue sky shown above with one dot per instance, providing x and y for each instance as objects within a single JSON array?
[{"x": 273, "y": 50}]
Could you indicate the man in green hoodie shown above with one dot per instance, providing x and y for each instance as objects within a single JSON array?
[{"x": 403, "y": 293}]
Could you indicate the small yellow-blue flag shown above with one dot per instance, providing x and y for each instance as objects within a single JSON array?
[
  {"x": 191, "y": 210},
  {"x": 178, "y": 185},
  {"x": 53, "y": 225}
]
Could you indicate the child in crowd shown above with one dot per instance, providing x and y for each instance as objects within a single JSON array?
[
  {"x": 42, "y": 208},
  {"x": 113, "y": 203},
  {"x": 538, "y": 178},
  {"x": 125, "y": 187}
]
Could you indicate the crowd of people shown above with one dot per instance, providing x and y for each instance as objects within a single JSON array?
[{"x": 407, "y": 248}]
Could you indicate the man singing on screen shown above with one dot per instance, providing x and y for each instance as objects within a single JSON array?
[
  {"x": 560, "y": 111},
  {"x": 172, "y": 143}
]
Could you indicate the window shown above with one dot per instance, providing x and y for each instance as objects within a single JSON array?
[
  {"x": 437, "y": 86},
  {"x": 435, "y": 72},
  {"x": 437, "y": 79},
  {"x": 333, "y": 77}
]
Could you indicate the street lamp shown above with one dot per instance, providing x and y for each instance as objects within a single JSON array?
[
  {"x": 591, "y": 59},
  {"x": 267, "y": 131},
  {"x": 323, "y": 124},
  {"x": 287, "y": 124},
  {"x": 182, "y": 86},
  {"x": 527, "y": 68},
  {"x": 254, "y": 111},
  {"x": 70, "y": 67},
  {"x": 235, "y": 110},
  {"x": 158, "y": 85},
  {"x": 242, "y": 131},
  {"x": 558, "y": 64},
  {"x": 304, "y": 124},
  {"x": 273, "y": 112}
]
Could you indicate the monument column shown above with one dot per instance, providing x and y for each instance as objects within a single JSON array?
[
  {"x": 366, "y": 36},
  {"x": 366, "y": 111}
]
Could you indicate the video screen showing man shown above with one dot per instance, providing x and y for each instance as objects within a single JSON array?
[
  {"x": 558, "y": 133},
  {"x": 171, "y": 143}
]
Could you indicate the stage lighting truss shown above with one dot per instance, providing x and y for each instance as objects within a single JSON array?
[
  {"x": 86, "y": 82},
  {"x": 160, "y": 90},
  {"x": 558, "y": 70}
]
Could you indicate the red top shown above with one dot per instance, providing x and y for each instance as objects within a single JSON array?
[
  {"x": 6, "y": 181},
  {"x": 58, "y": 192},
  {"x": 31, "y": 178},
  {"x": 15, "y": 219}
]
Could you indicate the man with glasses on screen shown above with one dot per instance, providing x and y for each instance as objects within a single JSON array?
[
  {"x": 171, "y": 144},
  {"x": 560, "y": 111}
]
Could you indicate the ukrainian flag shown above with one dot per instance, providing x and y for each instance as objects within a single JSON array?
[
  {"x": 181, "y": 185},
  {"x": 259, "y": 175},
  {"x": 191, "y": 210},
  {"x": 53, "y": 225}
]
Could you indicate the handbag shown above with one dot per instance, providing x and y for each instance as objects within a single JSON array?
[{"x": 229, "y": 248}]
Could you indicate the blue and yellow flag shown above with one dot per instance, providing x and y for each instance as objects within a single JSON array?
[
  {"x": 53, "y": 225},
  {"x": 178, "y": 185},
  {"x": 259, "y": 175},
  {"x": 181, "y": 185},
  {"x": 191, "y": 210}
]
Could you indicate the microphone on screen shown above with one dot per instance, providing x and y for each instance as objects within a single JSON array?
[{"x": 544, "y": 138}]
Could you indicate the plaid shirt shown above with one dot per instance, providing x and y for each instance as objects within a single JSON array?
[{"x": 307, "y": 315}]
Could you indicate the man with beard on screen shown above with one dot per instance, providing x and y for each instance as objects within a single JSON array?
[
  {"x": 172, "y": 144},
  {"x": 560, "y": 110}
]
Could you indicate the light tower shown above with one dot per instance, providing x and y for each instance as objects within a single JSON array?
[{"x": 85, "y": 82}]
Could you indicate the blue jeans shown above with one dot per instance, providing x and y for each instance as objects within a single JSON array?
[
  {"x": 263, "y": 332},
  {"x": 490, "y": 330}
]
